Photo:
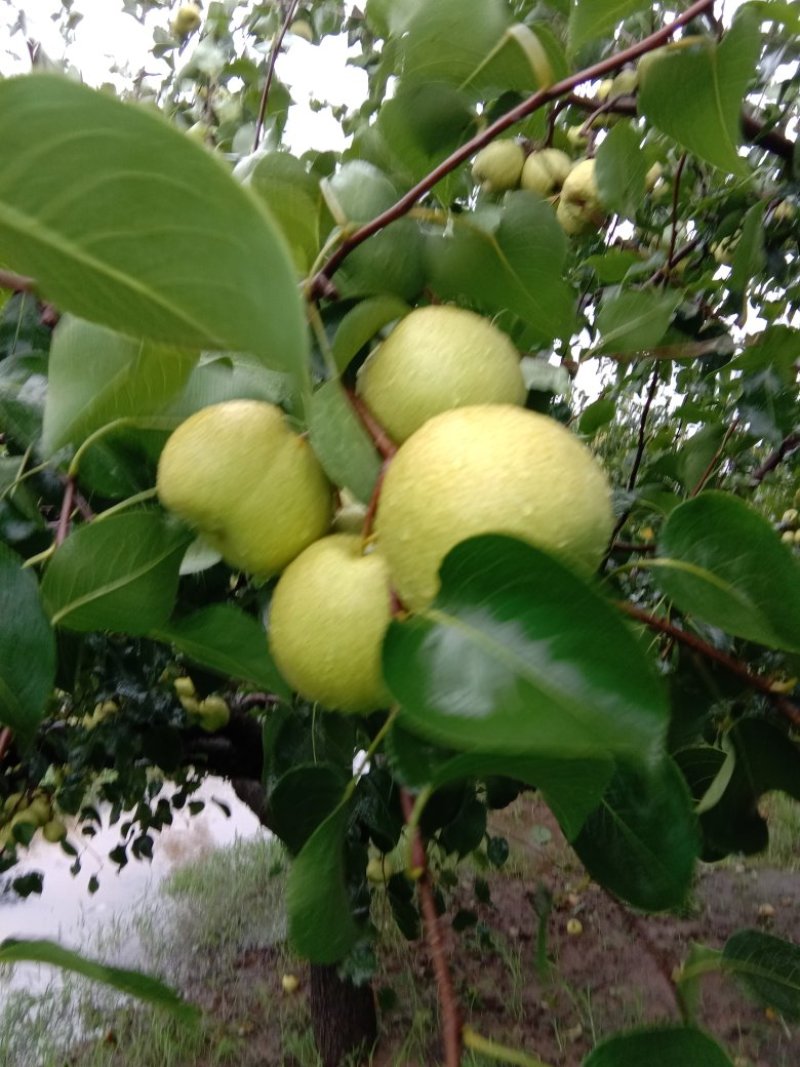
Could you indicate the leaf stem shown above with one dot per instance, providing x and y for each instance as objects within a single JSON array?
[
  {"x": 118, "y": 424},
  {"x": 495, "y": 1051},
  {"x": 137, "y": 498}
]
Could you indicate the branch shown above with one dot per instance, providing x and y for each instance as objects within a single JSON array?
[
  {"x": 380, "y": 438},
  {"x": 6, "y": 737},
  {"x": 66, "y": 511},
  {"x": 788, "y": 445},
  {"x": 273, "y": 59},
  {"x": 451, "y": 1014},
  {"x": 19, "y": 283},
  {"x": 755, "y": 681},
  {"x": 320, "y": 282}
]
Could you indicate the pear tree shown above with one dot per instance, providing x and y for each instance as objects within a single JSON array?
[{"x": 395, "y": 481}]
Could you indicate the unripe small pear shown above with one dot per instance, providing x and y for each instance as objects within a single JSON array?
[
  {"x": 789, "y": 517},
  {"x": 498, "y": 166},
  {"x": 546, "y": 171},
  {"x": 187, "y": 19},
  {"x": 213, "y": 713},
  {"x": 54, "y": 830}
]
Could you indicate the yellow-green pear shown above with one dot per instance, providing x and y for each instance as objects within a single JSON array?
[
  {"x": 213, "y": 714},
  {"x": 498, "y": 166},
  {"x": 187, "y": 19},
  {"x": 625, "y": 83},
  {"x": 249, "y": 484},
  {"x": 489, "y": 469},
  {"x": 435, "y": 359},
  {"x": 579, "y": 207},
  {"x": 327, "y": 619},
  {"x": 54, "y": 830},
  {"x": 545, "y": 172}
]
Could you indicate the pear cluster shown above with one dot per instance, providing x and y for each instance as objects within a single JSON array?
[
  {"x": 447, "y": 387},
  {"x": 35, "y": 812}
]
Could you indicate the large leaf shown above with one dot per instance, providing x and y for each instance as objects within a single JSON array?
[
  {"x": 693, "y": 91},
  {"x": 294, "y": 199},
  {"x": 635, "y": 320},
  {"x": 223, "y": 639},
  {"x": 722, "y": 561},
  {"x": 27, "y": 648},
  {"x": 301, "y": 799},
  {"x": 642, "y": 842},
  {"x": 518, "y": 655},
  {"x": 768, "y": 966},
  {"x": 126, "y": 222},
  {"x": 508, "y": 259},
  {"x": 97, "y": 376},
  {"x": 119, "y": 573},
  {"x": 590, "y": 19},
  {"x": 321, "y": 924},
  {"x": 661, "y": 1046},
  {"x": 341, "y": 443},
  {"x": 620, "y": 170},
  {"x": 449, "y": 41},
  {"x": 133, "y": 983}
]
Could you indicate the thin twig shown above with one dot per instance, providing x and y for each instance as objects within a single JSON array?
[
  {"x": 673, "y": 233},
  {"x": 755, "y": 681},
  {"x": 450, "y": 1011},
  {"x": 6, "y": 737},
  {"x": 380, "y": 438},
  {"x": 273, "y": 59},
  {"x": 19, "y": 283},
  {"x": 648, "y": 403},
  {"x": 630, "y": 546},
  {"x": 788, "y": 445},
  {"x": 713, "y": 461},
  {"x": 66, "y": 511},
  {"x": 320, "y": 281}
]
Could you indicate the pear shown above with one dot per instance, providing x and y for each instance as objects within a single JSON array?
[
  {"x": 435, "y": 359},
  {"x": 545, "y": 172},
  {"x": 251, "y": 486},
  {"x": 187, "y": 19},
  {"x": 489, "y": 469},
  {"x": 327, "y": 619},
  {"x": 579, "y": 207},
  {"x": 498, "y": 166}
]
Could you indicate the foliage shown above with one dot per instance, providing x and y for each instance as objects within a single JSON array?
[{"x": 195, "y": 260}]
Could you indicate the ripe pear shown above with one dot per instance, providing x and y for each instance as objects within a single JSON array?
[
  {"x": 489, "y": 469},
  {"x": 498, "y": 166},
  {"x": 327, "y": 619},
  {"x": 251, "y": 486},
  {"x": 545, "y": 172},
  {"x": 579, "y": 207},
  {"x": 187, "y": 19},
  {"x": 435, "y": 359}
]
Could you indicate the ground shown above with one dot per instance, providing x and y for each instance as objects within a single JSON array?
[{"x": 551, "y": 993}]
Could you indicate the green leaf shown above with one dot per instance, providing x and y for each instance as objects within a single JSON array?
[
  {"x": 507, "y": 660},
  {"x": 722, "y": 561},
  {"x": 134, "y": 983},
  {"x": 693, "y": 91},
  {"x": 342, "y": 445},
  {"x": 620, "y": 170},
  {"x": 360, "y": 325},
  {"x": 294, "y": 199},
  {"x": 597, "y": 415},
  {"x": 509, "y": 259},
  {"x": 694, "y": 457},
  {"x": 665, "y": 1046},
  {"x": 634, "y": 320},
  {"x": 27, "y": 648},
  {"x": 642, "y": 842},
  {"x": 321, "y": 924},
  {"x": 119, "y": 573},
  {"x": 23, "y": 388},
  {"x": 228, "y": 377},
  {"x": 591, "y": 19},
  {"x": 227, "y": 641},
  {"x": 768, "y": 966},
  {"x": 527, "y": 57},
  {"x": 750, "y": 257},
  {"x": 128, "y": 223},
  {"x": 97, "y": 376},
  {"x": 448, "y": 41},
  {"x": 301, "y": 799}
]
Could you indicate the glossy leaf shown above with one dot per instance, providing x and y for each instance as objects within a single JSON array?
[
  {"x": 642, "y": 841},
  {"x": 592, "y": 19},
  {"x": 749, "y": 257},
  {"x": 634, "y": 320},
  {"x": 302, "y": 798},
  {"x": 620, "y": 170},
  {"x": 722, "y": 561},
  {"x": 693, "y": 91},
  {"x": 508, "y": 659},
  {"x": 27, "y": 648},
  {"x": 97, "y": 376},
  {"x": 665, "y": 1046},
  {"x": 321, "y": 924},
  {"x": 133, "y": 983},
  {"x": 360, "y": 325},
  {"x": 341, "y": 443},
  {"x": 508, "y": 259},
  {"x": 450, "y": 40},
  {"x": 768, "y": 967},
  {"x": 119, "y": 573},
  {"x": 294, "y": 200},
  {"x": 224, "y": 639},
  {"x": 156, "y": 239}
]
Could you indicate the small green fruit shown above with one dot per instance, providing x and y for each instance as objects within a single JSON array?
[
  {"x": 790, "y": 517},
  {"x": 435, "y": 359},
  {"x": 54, "y": 830},
  {"x": 625, "y": 83},
  {"x": 213, "y": 713},
  {"x": 488, "y": 469},
  {"x": 327, "y": 620},
  {"x": 187, "y": 19},
  {"x": 247, "y": 482},
  {"x": 184, "y": 687},
  {"x": 653, "y": 177},
  {"x": 579, "y": 207},
  {"x": 379, "y": 870},
  {"x": 302, "y": 28},
  {"x": 290, "y": 983},
  {"x": 498, "y": 166},
  {"x": 545, "y": 172}
]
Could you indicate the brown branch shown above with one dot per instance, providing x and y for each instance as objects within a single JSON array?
[
  {"x": 6, "y": 737},
  {"x": 317, "y": 285},
  {"x": 384, "y": 444},
  {"x": 648, "y": 403},
  {"x": 450, "y": 1011},
  {"x": 19, "y": 283},
  {"x": 273, "y": 59},
  {"x": 712, "y": 463},
  {"x": 62, "y": 529},
  {"x": 755, "y": 681},
  {"x": 788, "y": 445},
  {"x": 630, "y": 546}
]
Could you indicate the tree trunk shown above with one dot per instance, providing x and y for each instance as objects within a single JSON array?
[{"x": 342, "y": 1016}]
